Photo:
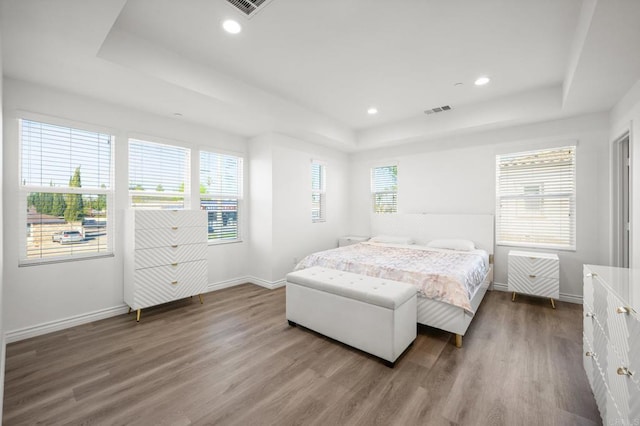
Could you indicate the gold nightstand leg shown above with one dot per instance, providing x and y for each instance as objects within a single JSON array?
[
  {"x": 553, "y": 304},
  {"x": 201, "y": 299},
  {"x": 458, "y": 341},
  {"x": 513, "y": 298},
  {"x": 138, "y": 315}
]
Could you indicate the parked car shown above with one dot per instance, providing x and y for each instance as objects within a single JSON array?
[{"x": 67, "y": 237}]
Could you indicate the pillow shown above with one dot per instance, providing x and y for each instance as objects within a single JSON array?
[
  {"x": 462, "y": 245},
  {"x": 390, "y": 240}
]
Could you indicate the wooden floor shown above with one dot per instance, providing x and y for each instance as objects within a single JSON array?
[{"x": 234, "y": 360}]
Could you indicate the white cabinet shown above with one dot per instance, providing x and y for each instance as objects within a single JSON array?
[
  {"x": 348, "y": 240},
  {"x": 611, "y": 341},
  {"x": 165, "y": 256},
  {"x": 537, "y": 274}
]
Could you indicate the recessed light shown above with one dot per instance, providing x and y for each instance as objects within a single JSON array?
[
  {"x": 231, "y": 26},
  {"x": 372, "y": 111},
  {"x": 482, "y": 81}
]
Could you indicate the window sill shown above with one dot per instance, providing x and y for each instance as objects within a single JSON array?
[
  {"x": 39, "y": 262},
  {"x": 223, "y": 242},
  {"x": 537, "y": 246}
]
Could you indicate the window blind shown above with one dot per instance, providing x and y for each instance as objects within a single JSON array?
[
  {"x": 535, "y": 197},
  {"x": 384, "y": 189},
  {"x": 221, "y": 184},
  {"x": 318, "y": 192},
  {"x": 65, "y": 186},
  {"x": 159, "y": 175}
]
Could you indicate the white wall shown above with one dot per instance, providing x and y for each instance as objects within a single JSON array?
[
  {"x": 457, "y": 175},
  {"x": 625, "y": 117},
  {"x": 57, "y": 293},
  {"x": 281, "y": 227}
]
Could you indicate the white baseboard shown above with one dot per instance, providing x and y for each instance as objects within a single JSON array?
[
  {"x": 51, "y": 326},
  {"x": 564, "y": 297},
  {"x": 57, "y": 325},
  {"x": 271, "y": 285}
]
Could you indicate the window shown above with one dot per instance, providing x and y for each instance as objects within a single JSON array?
[
  {"x": 536, "y": 198},
  {"x": 66, "y": 193},
  {"x": 318, "y": 192},
  {"x": 221, "y": 194},
  {"x": 159, "y": 175},
  {"x": 384, "y": 189}
]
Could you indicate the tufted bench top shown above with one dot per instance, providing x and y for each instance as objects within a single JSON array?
[{"x": 376, "y": 291}]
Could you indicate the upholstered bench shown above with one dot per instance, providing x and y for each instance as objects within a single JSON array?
[{"x": 374, "y": 315}]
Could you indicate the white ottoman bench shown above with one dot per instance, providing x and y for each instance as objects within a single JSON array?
[{"x": 374, "y": 315}]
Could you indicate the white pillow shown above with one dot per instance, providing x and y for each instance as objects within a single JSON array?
[
  {"x": 390, "y": 240},
  {"x": 462, "y": 245}
]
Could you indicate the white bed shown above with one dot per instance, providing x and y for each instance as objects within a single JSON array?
[{"x": 422, "y": 228}]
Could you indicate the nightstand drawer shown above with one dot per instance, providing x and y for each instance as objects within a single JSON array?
[
  {"x": 534, "y": 285},
  {"x": 540, "y": 267}
]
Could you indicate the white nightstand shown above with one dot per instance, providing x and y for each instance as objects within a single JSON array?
[
  {"x": 537, "y": 274},
  {"x": 348, "y": 240}
]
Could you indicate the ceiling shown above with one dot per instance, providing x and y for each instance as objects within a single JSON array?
[{"x": 312, "y": 69}]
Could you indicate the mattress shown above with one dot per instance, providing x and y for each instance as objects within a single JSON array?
[{"x": 447, "y": 276}]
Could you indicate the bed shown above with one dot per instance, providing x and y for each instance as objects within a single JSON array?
[{"x": 451, "y": 284}]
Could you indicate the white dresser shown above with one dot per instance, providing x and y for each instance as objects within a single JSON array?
[
  {"x": 611, "y": 341},
  {"x": 537, "y": 274},
  {"x": 165, "y": 256}
]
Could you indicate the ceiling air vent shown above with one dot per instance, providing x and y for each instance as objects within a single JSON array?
[
  {"x": 249, "y": 7},
  {"x": 438, "y": 109}
]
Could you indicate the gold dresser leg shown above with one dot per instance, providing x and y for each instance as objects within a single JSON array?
[
  {"x": 129, "y": 310},
  {"x": 458, "y": 341},
  {"x": 138, "y": 315},
  {"x": 513, "y": 298},
  {"x": 553, "y": 304},
  {"x": 201, "y": 299}
]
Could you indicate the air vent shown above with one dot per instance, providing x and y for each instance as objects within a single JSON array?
[
  {"x": 249, "y": 7},
  {"x": 438, "y": 109}
]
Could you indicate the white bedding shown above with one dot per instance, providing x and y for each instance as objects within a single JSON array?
[{"x": 449, "y": 276}]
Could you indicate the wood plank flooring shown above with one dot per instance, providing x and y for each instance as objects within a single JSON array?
[{"x": 235, "y": 361}]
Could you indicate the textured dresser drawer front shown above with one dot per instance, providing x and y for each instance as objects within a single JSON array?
[
  {"x": 158, "y": 256},
  {"x": 149, "y": 238},
  {"x": 540, "y": 267},
  {"x": 619, "y": 322},
  {"x": 587, "y": 288},
  {"x": 587, "y": 349},
  {"x": 588, "y": 323},
  {"x": 154, "y": 219},
  {"x": 165, "y": 283},
  {"x": 625, "y": 391},
  {"x": 602, "y": 394},
  {"x": 533, "y": 284}
]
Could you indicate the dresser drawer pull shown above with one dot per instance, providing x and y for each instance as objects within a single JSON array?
[
  {"x": 174, "y": 246},
  {"x": 590, "y": 315},
  {"x": 622, "y": 310},
  {"x": 174, "y": 227},
  {"x": 174, "y": 282},
  {"x": 589, "y": 353},
  {"x": 592, "y": 274},
  {"x": 174, "y": 264},
  {"x": 531, "y": 276},
  {"x": 624, "y": 371}
]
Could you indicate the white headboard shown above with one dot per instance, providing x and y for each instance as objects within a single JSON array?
[{"x": 426, "y": 227}]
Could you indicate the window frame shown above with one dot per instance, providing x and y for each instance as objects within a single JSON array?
[
  {"x": 185, "y": 194},
  {"x": 220, "y": 196},
  {"x": 374, "y": 193},
  {"x": 534, "y": 200},
  {"x": 321, "y": 192},
  {"x": 25, "y": 190}
]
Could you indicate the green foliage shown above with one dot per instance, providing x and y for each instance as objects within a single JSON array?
[
  {"x": 160, "y": 188},
  {"x": 74, "y": 205}
]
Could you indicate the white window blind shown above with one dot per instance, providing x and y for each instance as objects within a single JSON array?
[
  {"x": 159, "y": 175},
  {"x": 384, "y": 189},
  {"x": 221, "y": 194},
  {"x": 318, "y": 192},
  {"x": 66, "y": 193},
  {"x": 536, "y": 198}
]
